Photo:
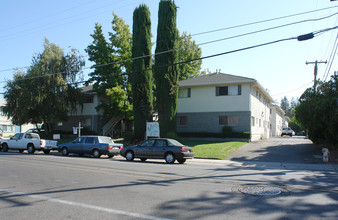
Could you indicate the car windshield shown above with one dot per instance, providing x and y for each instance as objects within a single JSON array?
[
  {"x": 172, "y": 142},
  {"x": 105, "y": 140}
]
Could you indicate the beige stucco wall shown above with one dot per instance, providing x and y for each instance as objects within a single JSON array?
[
  {"x": 261, "y": 112},
  {"x": 204, "y": 99}
]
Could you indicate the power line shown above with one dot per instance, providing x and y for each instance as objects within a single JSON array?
[
  {"x": 263, "y": 21},
  {"x": 303, "y": 37},
  {"x": 293, "y": 89},
  {"x": 210, "y": 56},
  {"x": 242, "y": 25},
  {"x": 331, "y": 59}
]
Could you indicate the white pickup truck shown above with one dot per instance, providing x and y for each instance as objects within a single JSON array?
[{"x": 28, "y": 141}]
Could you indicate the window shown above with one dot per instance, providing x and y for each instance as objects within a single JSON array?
[
  {"x": 252, "y": 121},
  {"x": 260, "y": 122},
  {"x": 7, "y": 128},
  {"x": 221, "y": 91},
  {"x": 79, "y": 140},
  {"x": 161, "y": 143},
  {"x": 229, "y": 90},
  {"x": 2, "y": 110},
  {"x": 89, "y": 99},
  {"x": 86, "y": 122},
  {"x": 233, "y": 120},
  {"x": 31, "y": 136},
  {"x": 183, "y": 120},
  {"x": 148, "y": 143},
  {"x": 90, "y": 140},
  {"x": 223, "y": 120},
  {"x": 184, "y": 93}
]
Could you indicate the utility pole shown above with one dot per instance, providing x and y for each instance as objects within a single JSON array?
[{"x": 315, "y": 72}]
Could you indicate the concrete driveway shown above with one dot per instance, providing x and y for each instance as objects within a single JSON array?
[{"x": 279, "y": 149}]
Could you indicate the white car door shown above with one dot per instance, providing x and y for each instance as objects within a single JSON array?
[{"x": 13, "y": 142}]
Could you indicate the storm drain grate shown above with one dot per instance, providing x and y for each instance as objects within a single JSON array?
[{"x": 260, "y": 190}]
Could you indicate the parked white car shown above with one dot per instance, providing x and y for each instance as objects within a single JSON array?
[
  {"x": 28, "y": 141},
  {"x": 288, "y": 131}
]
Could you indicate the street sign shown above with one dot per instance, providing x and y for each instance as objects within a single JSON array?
[{"x": 153, "y": 129}]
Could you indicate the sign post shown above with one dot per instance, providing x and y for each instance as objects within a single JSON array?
[
  {"x": 77, "y": 130},
  {"x": 153, "y": 130}
]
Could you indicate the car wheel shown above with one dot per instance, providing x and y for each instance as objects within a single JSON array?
[
  {"x": 46, "y": 151},
  {"x": 143, "y": 159},
  {"x": 169, "y": 158},
  {"x": 64, "y": 151},
  {"x": 4, "y": 147},
  {"x": 182, "y": 161},
  {"x": 96, "y": 153},
  {"x": 130, "y": 155},
  {"x": 21, "y": 150},
  {"x": 31, "y": 149}
]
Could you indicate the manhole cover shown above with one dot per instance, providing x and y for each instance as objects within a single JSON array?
[{"x": 260, "y": 190}]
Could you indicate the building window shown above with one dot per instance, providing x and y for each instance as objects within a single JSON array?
[
  {"x": 252, "y": 121},
  {"x": 2, "y": 110},
  {"x": 260, "y": 123},
  {"x": 223, "y": 120},
  {"x": 233, "y": 120},
  {"x": 86, "y": 122},
  {"x": 184, "y": 93},
  {"x": 228, "y": 90},
  {"x": 183, "y": 120},
  {"x": 89, "y": 99},
  {"x": 7, "y": 128}
]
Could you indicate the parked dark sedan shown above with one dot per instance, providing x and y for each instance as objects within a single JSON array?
[
  {"x": 159, "y": 148},
  {"x": 95, "y": 145}
]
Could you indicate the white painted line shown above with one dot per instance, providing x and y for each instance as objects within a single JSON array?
[{"x": 82, "y": 205}]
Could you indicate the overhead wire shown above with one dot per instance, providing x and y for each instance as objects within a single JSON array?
[
  {"x": 215, "y": 55},
  {"x": 209, "y": 42},
  {"x": 243, "y": 25}
]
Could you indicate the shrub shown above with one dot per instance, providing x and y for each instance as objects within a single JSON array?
[{"x": 227, "y": 132}]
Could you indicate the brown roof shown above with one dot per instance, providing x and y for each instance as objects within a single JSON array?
[{"x": 215, "y": 79}]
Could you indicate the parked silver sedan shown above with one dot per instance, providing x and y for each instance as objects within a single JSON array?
[{"x": 94, "y": 145}]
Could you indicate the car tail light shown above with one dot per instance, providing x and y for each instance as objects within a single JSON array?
[
  {"x": 110, "y": 147},
  {"x": 40, "y": 142},
  {"x": 121, "y": 147}
]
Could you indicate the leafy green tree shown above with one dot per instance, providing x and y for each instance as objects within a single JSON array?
[
  {"x": 189, "y": 50},
  {"x": 142, "y": 79},
  {"x": 112, "y": 61},
  {"x": 318, "y": 113},
  {"x": 285, "y": 105},
  {"x": 48, "y": 90},
  {"x": 166, "y": 68}
]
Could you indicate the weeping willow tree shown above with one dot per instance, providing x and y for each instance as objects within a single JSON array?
[
  {"x": 166, "y": 69},
  {"x": 142, "y": 79},
  {"x": 48, "y": 90}
]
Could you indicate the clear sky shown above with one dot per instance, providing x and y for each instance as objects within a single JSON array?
[{"x": 279, "y": 67}]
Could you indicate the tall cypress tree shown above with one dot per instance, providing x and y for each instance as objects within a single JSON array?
[
  {"x": 166, "y": 71},
  {"x": 142, "y": 80}
]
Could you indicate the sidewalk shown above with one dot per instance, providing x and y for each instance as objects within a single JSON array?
[{"x": 267, "y": 165}]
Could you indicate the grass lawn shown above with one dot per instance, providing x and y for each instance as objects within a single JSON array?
[{"x": 212, "y": 149}]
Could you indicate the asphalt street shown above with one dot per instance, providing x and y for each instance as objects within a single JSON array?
[{"x": 250, "y": 184}]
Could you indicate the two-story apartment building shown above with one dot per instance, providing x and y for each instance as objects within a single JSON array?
[
  {"x": 6, "y": 127},
  {"x": 208, "y": 103},
  {"x": 276, "y": 120}
]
